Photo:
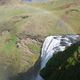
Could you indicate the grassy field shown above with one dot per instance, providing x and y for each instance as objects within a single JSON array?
[{"x": 17, "y": 20}]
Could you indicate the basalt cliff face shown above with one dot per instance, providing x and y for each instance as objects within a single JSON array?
[{"x": 60, "y": 58}]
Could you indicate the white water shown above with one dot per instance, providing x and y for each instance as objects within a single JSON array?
[{"x": 52, "y": 45}]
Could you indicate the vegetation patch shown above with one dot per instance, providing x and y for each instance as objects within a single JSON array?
[{"x": 35, "y": 48}]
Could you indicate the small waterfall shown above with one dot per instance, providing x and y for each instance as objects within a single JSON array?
[{"x": 54, "y": 44}]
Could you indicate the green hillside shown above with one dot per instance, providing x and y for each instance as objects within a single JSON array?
[{"x": 23, "y": 27}]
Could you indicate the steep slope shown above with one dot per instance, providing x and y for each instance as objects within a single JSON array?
[
  {"x": 17, "y": 55},
  {"x": 24, "y": 26}
]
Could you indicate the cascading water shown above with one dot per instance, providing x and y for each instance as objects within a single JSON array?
[{"x": 54, "y": 44}]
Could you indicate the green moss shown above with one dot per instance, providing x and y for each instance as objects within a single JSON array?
[
  {"x": 35, "y": 48},
  {"x": 10, "y": 45}
]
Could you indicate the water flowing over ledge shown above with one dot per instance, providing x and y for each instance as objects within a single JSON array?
[{"x": 54, "y": 44}]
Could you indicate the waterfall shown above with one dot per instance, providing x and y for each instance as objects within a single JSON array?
[
  {"x": 39, "y": 77},
  {"x": 54, "y": 44}
]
